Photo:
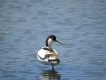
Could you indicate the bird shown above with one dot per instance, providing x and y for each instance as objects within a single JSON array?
[{"x": 47, "y": 55}]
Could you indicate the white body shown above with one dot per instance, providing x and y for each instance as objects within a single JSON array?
[{"x": 44, "y": 60}]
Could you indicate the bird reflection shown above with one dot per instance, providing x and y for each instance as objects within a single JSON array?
[{"x": 49, "y": 75}]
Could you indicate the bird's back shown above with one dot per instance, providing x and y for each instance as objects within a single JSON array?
[{"x": 48, "y": 56}]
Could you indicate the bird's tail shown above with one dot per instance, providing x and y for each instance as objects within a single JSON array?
[{"x": 54, "y": 61}]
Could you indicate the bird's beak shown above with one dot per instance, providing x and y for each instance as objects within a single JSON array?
[{"x": 59, "y": 42}]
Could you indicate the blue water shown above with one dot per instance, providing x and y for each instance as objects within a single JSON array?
[{"x": 80, "y": 24}]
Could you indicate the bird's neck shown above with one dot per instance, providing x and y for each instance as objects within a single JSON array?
[{"x": 49, "y": 42}]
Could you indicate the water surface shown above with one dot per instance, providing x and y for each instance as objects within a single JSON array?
[{"x": 24, "y": 26}]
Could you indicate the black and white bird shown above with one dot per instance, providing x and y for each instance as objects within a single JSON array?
[{"x": 47, "y": 55}]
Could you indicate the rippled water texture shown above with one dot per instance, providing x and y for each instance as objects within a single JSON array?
[{"x": 80, "y": 24}]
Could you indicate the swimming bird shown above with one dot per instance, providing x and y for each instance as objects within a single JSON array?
[{"x": 47, "y": 55}]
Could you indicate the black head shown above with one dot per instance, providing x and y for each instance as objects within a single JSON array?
[
  {"x": 53, "y": 37},
  {"x": 49, "y": 42}
]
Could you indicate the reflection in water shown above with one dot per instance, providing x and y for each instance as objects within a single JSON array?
[{"x": 49, "y": 75}]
